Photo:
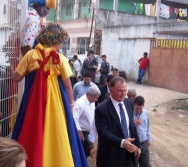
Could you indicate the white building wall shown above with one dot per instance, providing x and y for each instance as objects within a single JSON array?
[
  {"x": 3, "y": 12},
  {"x": 3, "y": 22}
]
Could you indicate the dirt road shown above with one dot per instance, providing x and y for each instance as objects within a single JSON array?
[{"x": 169, "y": 126}]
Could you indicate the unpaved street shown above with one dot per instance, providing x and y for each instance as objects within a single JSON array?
[{"x": 169, "y": 126}]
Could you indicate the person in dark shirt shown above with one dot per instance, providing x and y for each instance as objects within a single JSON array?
[
  {"x": 90, "y": 65},
  {"x": 94, "y": 62},
  {"x": 104, "y": 70},
  {"x": 104, "y": 89}
]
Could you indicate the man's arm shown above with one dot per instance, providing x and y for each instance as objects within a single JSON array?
[
  {"x": 87, "y": 65},
  {"x": 68, "y": 88},
  {"x": 74, "y": 92},
  {"x": 136, "y": 142},
  {"x": 108, "y": 66},
  {"x": 93, "y": 133},
  {"x": 148, "y": 130},
  {"x": 95, "y": 61},
  {"x": 139, "y": 61},
  {"x": 81, "y": 135},
  {"x": 77, "y": 111},
  {"x": 147, "y": 67},
  {"x": 17, "y": 77},
  {"x": 25, "y": 49},
  {"x": 76, "y": 71},
  {"x": 92, "y": 137}
]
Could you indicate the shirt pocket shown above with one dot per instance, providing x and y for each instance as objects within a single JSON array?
[{"x": 144, "y": 124}]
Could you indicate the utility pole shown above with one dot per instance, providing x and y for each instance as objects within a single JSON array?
[
  {"x": 91, "y": 28},
  {"x": 158, "y": 5}
]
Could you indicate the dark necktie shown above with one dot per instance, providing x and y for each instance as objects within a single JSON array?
[{"x": 123, "y": 121}]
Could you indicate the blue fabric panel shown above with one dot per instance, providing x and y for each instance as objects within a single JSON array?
[
  {"x": 74, "y": 139},
  {"x": 22, "y": 109}
]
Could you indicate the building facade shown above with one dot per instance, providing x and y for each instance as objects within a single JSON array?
[{"x": 84, "y": 20}]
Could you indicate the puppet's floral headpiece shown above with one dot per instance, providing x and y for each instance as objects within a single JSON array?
[{"x": 52, "y": 34}]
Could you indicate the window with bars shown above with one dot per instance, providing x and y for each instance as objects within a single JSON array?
[
  {"x": 82, "y": 45},
  {"x": 65, "y": 47},
  {"x": 84, "y": 10},
  {"x": 106, "y": 4},
  {"x": 131, "y": 7},
  {"x": 51, "y": 16},
  {"x": 67, "y": 9}
]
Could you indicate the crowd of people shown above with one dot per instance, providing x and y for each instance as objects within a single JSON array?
[{"x": 63, "y": 112}]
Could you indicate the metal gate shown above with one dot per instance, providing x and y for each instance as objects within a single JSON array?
[
  {"x": 169, "y": 64},
  {"x": 10, "y": 21}
]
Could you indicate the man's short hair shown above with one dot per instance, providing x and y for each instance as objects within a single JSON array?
[
  {"x": 75, "y": 57},
  {"x": 90, "y": 52},
  {"x": 93, "y": 90},
  {"x": 139, "y": 100},
  {"x": 70, "y": 60},
  {"x": 109, "y": 78},
  {"x": 87, "y": 74},
  {"x": 103, "y": 56},
  {"x": 115, "y": 80},
  {"x": 115, "y": 69},
  {"x": 145, "y": 53},
  {"x": 132, "y": 90}
]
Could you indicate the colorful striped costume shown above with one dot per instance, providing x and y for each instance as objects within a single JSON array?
[{"x": 45, "y": 126}]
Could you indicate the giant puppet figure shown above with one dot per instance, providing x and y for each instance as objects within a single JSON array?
[
  {"x": 45, "y": 126},
  {"x": 37, "y": 9}
]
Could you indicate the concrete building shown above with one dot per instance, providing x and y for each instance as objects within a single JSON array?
[
  {"x": 77, "y": 17},
  {"x": 122, "y": 30},
  {"x": 129, "y": 42},
  {"x": 126, "y": 36},
  {"x": 84, "y": 20}
]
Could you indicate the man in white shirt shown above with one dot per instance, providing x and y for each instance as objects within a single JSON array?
[
  {"x": 77, "y": 66},
  {"x": 83, "y": 113}
]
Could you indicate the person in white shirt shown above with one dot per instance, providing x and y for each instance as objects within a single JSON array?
[
  {"x": 77, "y": 66},
  {"x": 83, "y": 114}
]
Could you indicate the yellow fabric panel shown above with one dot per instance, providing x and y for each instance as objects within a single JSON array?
[
  {"x": 13, "y": 113},
  {"x": 66, "y": 70},
  {"x": 56, "y": 146},
  {"x": 29, "y": 63},
  {"x": 51, "y": 4}
]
